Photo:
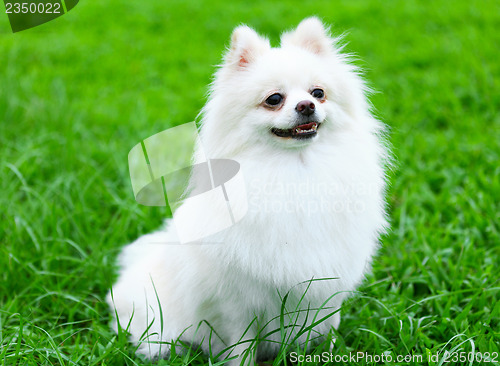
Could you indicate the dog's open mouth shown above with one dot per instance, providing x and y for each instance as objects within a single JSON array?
[{"x": 305, "y": 131}]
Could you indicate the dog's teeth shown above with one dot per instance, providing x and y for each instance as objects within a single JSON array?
[
  {"x": 298, "y": 130},
  {"x": 313, "y": 128}
]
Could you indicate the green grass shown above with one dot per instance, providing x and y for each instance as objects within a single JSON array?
[{"x": 77, "y": 93}]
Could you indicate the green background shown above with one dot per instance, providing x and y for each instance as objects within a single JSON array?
[{"x": 78, "y": 92}]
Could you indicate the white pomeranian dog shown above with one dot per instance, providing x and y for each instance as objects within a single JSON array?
[{"x": 312, "y": 156}]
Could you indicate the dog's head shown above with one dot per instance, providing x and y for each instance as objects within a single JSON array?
[{"x": 286, "y": 97}]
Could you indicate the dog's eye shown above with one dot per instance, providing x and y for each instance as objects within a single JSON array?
[
  {"x": 274, "y": 100},
  {"x": 318, "y": 93}
]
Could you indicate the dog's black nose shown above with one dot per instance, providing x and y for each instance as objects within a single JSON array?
[{"x": 305, "y": 107}]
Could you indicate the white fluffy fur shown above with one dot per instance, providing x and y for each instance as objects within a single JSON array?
[{"x": 315, "y": 207}]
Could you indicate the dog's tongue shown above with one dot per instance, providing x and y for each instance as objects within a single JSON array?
[{"x": 305, "y": 129}]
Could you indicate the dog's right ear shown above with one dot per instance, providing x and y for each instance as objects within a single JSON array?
[{"x": 246, "y": 46}]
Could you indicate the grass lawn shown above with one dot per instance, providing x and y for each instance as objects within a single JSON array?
[{"x": 78, "y": 92}]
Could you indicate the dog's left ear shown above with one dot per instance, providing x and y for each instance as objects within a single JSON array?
[{"x": 310, "y": 34}]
